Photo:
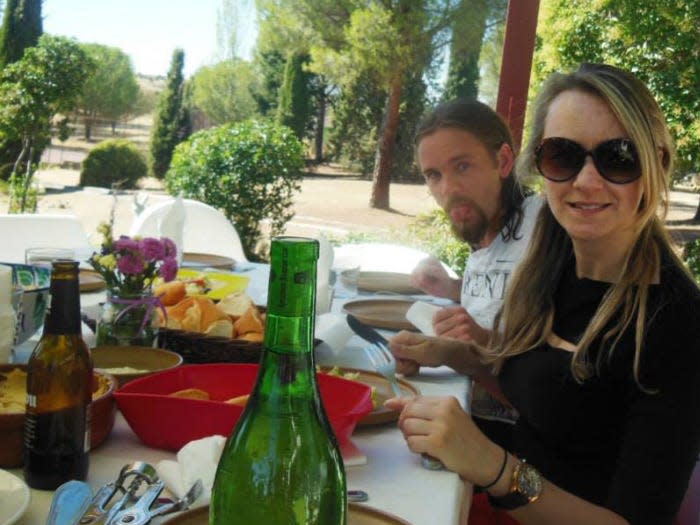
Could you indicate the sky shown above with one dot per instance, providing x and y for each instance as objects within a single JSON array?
[{"x": 148, "y": 30}]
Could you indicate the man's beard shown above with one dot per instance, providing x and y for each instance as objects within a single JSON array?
[{"x": 472, "y": 232}]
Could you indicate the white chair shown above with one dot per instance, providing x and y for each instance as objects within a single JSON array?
[
  {"x": 206, "y": 229},
  {"x": 33, "y": 230},
  {"x": 383, "y": 257}
]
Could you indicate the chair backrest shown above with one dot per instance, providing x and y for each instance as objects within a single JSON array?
[
  {"x": 18, "y": 232},
  {"x": 383, "y": 257},
  {"x": 206, "y": 229}
]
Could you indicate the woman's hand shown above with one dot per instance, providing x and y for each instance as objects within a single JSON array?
[
  {"x": 439, "y": 426},
  {"x": 431, "y": 277}
]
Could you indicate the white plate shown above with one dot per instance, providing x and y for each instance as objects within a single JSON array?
[{"x": 14, "y": 498}]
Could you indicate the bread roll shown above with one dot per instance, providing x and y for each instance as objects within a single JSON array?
[
  {"x": 171, "y": 293},
  {"x": 235, "y": 304},
  {"x": 191, "y": 393},
  {"x": 250, "y": 321}
]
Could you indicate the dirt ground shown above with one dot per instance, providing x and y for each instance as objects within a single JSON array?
[{"x": 333, "y": 203}]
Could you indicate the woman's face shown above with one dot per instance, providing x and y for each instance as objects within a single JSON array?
[{"x": 591, "y": 209}]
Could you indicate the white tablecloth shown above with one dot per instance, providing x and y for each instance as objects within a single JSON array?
[{"x": 393, "y": 476}]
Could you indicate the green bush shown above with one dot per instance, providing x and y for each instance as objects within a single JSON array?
[
  {"x": 429, "y": 232},
  {"x": 691, "y": 256},
  {"x": 113, "y": 163},
  {"x": 249, "y": 170}
]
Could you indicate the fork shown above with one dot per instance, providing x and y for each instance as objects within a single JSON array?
[{"x": 383, "y": 361}]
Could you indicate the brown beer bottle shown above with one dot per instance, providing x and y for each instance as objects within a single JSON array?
[{"x": 59, "y": 390}]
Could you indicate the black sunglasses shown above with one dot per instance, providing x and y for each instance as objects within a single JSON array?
[{"x": 559, "y": 159}]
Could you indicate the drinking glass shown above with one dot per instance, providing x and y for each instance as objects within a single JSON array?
[
  {"x": 45, "y": 255},
  {"x": 346, "y": 273}
]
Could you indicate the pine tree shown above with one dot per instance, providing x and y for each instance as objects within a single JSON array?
[
  {"x": 21, "y": 28},
  {"x": 169, "y": 126},
  {"x": 294, "y": 108}
]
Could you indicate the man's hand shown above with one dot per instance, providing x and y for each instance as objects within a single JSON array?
[
  {"x": 432, "y": 278},
  {"x": 413, "y": 350},
  {"x": 455, "y": 322}
]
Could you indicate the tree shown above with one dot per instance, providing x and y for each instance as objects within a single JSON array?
[
  {"x": 223, "y": 92},
  {"x": 21, "y": 28},
  {"x": 294, "y": 108},
  {"x": 657, "y": 41},
  {"x": 268, "y": 67},
  {"x": 45, "y": 82},
  {"x": 171, "y": 122},
  {"x": 468, "y": 27},
  {"x": 111, "y": 91},
  {"x": 390, "y": 41}
]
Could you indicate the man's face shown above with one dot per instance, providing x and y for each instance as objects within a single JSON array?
[{"x": 465, "y": 179}]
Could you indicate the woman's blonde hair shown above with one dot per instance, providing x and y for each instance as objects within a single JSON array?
[{"x": 528, "y": 313}]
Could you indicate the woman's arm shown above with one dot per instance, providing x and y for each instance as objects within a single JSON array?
[{"x": 441, "y": 428}]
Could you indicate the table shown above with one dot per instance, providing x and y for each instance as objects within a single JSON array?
[{"x": 393, "y": 476}]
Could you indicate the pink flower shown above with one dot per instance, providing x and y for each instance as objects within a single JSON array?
[
  {"x": 169, "y": 247},
  {"x": 168, "y": 270},
  {"x": 130, "y": 264},
  {"x": 152, "y": 249},
  {"x": 124, "y": 243}
]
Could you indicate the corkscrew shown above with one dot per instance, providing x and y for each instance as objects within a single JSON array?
[{"x": 129, "y": 499}]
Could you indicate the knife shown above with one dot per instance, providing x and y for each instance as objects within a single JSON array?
[{"x": 365, "y": 331}]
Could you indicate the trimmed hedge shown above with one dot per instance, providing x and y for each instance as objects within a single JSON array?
[{"x": 113, "y": 163}]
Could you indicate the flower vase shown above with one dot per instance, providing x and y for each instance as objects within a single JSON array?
[{"x": 128, "y": 319}]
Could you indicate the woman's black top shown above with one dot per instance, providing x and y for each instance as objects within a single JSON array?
[{"x": 606, "y": 439}]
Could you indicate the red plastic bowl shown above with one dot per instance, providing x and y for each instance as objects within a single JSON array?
[{"x": 164, "y": 421}]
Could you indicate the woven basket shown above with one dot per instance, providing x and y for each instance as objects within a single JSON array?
[{"x": 196, "y": 348}]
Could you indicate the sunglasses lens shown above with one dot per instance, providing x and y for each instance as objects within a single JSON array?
[
  {"x": 559, "y": 159},
  {"x": 617, "y": 161}
]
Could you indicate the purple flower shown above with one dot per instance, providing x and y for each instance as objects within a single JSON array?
[
  {"x": 124, "y": 243},
  {"x": 130, "y": 265},
  {"x": 168, "y": 270},
  {"x": 152, "y": 249},
  {"x": 169, "y": 247}
]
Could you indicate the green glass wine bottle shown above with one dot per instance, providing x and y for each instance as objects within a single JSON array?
[{"x": 282, "y": 464}]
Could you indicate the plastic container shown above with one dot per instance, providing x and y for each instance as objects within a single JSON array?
[{"x": 167, "y": 422}]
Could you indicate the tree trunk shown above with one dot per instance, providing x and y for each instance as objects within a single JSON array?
[
  {"x": 320, "y": 123},
  {"x": 381, "y": 177},
  {"x": 88, "y": 127},
  {"x": 696, "y": 218}
]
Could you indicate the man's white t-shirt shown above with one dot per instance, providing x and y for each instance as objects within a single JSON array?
[{"x": 486, "y": 277}]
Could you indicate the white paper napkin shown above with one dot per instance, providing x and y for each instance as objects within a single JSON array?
[
  {"x": 196, "y": 460},
  {"x": 333, "y": 329},
  {"x": 421, "y": 315}
]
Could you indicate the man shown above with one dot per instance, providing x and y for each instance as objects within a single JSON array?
[{"x": 465, "y": 152}]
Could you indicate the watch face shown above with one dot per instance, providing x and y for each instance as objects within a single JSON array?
[{"x": 529, "y": 482}]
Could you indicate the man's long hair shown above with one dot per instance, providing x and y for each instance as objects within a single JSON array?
[{"x": 490, "y": 129}]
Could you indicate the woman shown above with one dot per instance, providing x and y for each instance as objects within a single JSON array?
[{"x": 598, "y": 339}]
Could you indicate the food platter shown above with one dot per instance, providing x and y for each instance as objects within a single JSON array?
[
  {"x": 391, "y": 282},
  {"x": 221, "y": 284},
  {"x": 206, "y": 260},
  {"x": 358, "y": 514},
  {"x": 14, "y": 498},
  {"x": 381, "y": 392},
  {"x": 381, "y": 313}
]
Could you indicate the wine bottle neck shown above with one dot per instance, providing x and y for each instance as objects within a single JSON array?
[{"x": 63, "y": 316}]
